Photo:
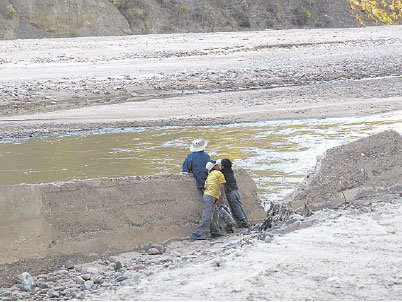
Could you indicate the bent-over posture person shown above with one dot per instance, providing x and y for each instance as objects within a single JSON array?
[
  {"x": 233, "y": 194},
  {"x": 196, "y": 161}
]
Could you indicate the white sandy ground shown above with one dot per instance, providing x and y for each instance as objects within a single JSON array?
[
  {"x": 332, "y": 72},
  {"x": 142, "y": 55},
  {"x": 355, "y": 254}
]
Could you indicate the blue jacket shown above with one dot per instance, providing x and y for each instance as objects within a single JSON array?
[{"x": 195, "y": 163}]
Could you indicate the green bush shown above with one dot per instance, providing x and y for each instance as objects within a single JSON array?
[
  {"x": 73, "y": 33},
  {"x": 182, "y": 10},
  {"x": 269, "y": 24},
  {"x": 117, "y": 3},
  {"x": 138, "y": 12},
  {"x": 244, "y": 22},
  {"x": 301, "y": 17},
  {"x": 11, "y": 11}
]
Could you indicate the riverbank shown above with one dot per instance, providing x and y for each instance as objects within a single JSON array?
[
  {"x": 197, "y": 79},
  {"x": 350, "y": 253}
]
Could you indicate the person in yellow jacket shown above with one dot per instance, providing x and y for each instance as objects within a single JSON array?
[{"x": 213, "y": 197}]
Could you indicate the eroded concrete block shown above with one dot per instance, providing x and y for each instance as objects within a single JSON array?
[{"x": 104, "y": 216}]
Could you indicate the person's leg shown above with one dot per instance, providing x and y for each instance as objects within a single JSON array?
[
  {"x": 226, "y": 216},
  {"x": 233, "y": 198},
  {"x": 214, "y": 228},
  {"x": 204, "y": 225}
]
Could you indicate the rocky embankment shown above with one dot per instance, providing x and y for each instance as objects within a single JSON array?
[
  {"x": 363, "y": 232},
  {"x": 351, "y": 172},
  {"x": 72, "y": 18}
]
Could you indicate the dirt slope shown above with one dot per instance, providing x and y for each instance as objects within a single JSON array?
[
  {"x": 353, "y": 172},
  {"x": 71, "y": 18}
]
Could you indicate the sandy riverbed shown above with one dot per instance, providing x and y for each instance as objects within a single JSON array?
[{"x": 73, "y": 84}]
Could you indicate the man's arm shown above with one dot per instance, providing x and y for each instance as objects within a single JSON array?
[
  {"x": 221, "y": 194},
  {"x": 186, "y": 167}
]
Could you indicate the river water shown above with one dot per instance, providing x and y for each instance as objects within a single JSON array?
[{"x": 277, "y": 154}]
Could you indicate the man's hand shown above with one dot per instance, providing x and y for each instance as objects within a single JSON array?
[{"x": 219, "y": 202}]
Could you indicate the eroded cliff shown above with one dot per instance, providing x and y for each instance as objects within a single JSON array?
[{"x": 64, "y": 18}]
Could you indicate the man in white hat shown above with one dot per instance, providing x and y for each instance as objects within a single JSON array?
[{"x": 196, "y": 161}]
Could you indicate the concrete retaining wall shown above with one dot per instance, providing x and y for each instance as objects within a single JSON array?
[{"x": 103, "y": 216}]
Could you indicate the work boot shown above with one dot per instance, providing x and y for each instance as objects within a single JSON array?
[
  {"x": 197, "y": 237},
  {"x": 216, "y": 235},
  {"x": 229, "y": 228},
  {"x": 244, "y": 223}
]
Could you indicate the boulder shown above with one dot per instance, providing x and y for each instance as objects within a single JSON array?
[{"x": 352, "y": 171}]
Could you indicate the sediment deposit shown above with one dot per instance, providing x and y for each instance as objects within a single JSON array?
[
  {"x": 352, "y": 172},
  {"x": 179, "y": 79}
]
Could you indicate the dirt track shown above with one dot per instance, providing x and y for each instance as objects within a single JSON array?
[{"x": 197, "y": 78}]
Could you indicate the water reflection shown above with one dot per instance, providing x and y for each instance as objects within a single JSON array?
[{"x": 276, "y": 154}]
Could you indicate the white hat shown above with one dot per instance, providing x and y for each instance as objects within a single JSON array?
[
  {"x": 198, "y": 145},
  {"x": 212, "y": 164}
]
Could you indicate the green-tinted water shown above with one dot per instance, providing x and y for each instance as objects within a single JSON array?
[{"x": 276, "y": 154}]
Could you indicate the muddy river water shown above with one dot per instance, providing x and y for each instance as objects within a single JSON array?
[{"x": 277, "y": 154}]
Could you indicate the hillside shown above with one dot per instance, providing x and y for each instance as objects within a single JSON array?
[{"x": 20, "y": 19}]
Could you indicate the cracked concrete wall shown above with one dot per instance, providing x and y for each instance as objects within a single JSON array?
[{"x": 103, "y": 216}]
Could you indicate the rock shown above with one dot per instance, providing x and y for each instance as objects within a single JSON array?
[
  {"x": 42, "y": 276},
  {"x": 106, "y": 284},
  {"x": 92, "y": 270},
  {"x": 175, "y": 254},
  {"x": 86, "y": 277},
  {"x": 89, "y": 284},
  {"x": 43, "y": 285},
  {"x": 117, "y": 266},
  {"x": 68, "y": 265},
  {"x": 80, "y": 296},
  {"x": 347, "y": 170},
  {"x": 62, "y": 272},
  {"x": 139, "y": 267},
  {"x": 22, "y": 287},
  {"x": 53, "y": 294},
  {"x": 268, "y": 239},
  {"x": 121, "y": 278},
  {"x": 79, "y": 280},
  {"x": 154, "y": 251}
]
